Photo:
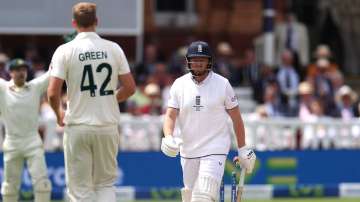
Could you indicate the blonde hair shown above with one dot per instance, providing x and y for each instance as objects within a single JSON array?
[{"x": 84, "y": 14}]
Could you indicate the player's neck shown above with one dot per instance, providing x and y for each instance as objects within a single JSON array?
[
  {"x": 19, "y": 84},
  {"x": 86, "y": 29}
]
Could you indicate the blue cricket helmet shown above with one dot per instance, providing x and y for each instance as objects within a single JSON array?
[{"x": 199, "y": 49}]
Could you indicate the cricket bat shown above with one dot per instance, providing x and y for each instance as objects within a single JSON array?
[{"x": 240, "y": 188}]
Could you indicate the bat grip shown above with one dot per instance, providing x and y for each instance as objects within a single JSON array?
[{"x": 241, "y": 185}]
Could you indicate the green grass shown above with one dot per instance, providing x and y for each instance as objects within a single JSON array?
[
  {"x": 283, "y": 200},
  {"x": 275, "y": 200}
]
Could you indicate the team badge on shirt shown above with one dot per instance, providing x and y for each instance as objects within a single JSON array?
[{"x": 198, "y": 105}]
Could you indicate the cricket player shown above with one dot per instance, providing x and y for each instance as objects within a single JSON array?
[
  {"x": 19, "y": 106},
  {"x": 201, "y": 102},
  {"x": 91, "y": 67}
]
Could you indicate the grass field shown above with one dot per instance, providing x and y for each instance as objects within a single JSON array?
[
  {"x": 275, "y": 200},
  {"x": 286, "y": 200}
]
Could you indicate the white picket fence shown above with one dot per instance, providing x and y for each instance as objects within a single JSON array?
[{"x": 143, "y": 133}]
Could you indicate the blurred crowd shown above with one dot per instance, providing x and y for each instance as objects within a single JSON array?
[
  {"x": 289, "y": 89},
  {"x": 302, "y": 83}
]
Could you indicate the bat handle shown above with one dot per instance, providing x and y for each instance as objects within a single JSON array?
[
  {"x": 242, "y": 177},
  {"x": 241, "y": 185},
  {"x": 239, "y": 193}
]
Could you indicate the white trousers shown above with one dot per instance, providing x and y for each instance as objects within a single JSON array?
[
  {"x": 212, "y": 165},
  {"x": 90, "y": 162},
  {"x": 14, "y": 163}
]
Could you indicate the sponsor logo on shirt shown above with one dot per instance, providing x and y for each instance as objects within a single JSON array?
[{"x": 234, "y": 99}]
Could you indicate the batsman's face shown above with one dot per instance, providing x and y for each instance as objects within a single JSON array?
[
  {"x": 19, "y": 75},
  {"x": 199, "y": 64}
]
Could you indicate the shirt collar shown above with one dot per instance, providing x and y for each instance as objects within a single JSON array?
[
  {"x": 206, "y": 80},
  {"x": 83, "y": 35}
]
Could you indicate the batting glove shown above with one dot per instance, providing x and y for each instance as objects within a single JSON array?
[
  {"x": 247, "y": 159},
  {"x": 170, "y": 145}
]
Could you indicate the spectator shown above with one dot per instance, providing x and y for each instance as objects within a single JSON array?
[
  {"x": 150, "y": 59},
  {"x": 292, "y": 35},
  {"x": 251, "y": 70},
  {"x": 306, "y": 93},
  {"x": 314, "y": 134},
  {"x": 38, "y": 66},
  {"x": 272, "y": 103},
  {"x": 138, "y": 100},
  {"x": 3, "y": 62},
  {"x": 347, "y": 106},
  {"x": 267, "y": 78},
  {"x": 322, "y": 52},
  {"x": 337, "y": 80},
  {"x": 160, "y": 74},
  {"x": 152, "y": 91},
  {"x": 263, "y": 135},
  {"x": 31, "y": 52},
  {"x": 224, "y": 64},
  {"x": 288, "y": 80},
  {"x": 323, "y": 87},
  {"x": 177, "y": 66}
]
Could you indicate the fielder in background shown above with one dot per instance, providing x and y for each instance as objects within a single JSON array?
[
  {"x": 19, "y": 106},
  {"x": 92, "y": 68},
  {"x": 201, "y": 102}
]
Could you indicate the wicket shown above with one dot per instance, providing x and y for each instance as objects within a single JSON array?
[
  {"x": 236, "y": 189},
  {"x": 222, "y": 192}
]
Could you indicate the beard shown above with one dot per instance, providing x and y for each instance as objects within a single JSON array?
[{"x": 197, "y": 73}]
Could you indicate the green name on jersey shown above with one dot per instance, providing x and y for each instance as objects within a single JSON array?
[{"x": 92, "y": 55}]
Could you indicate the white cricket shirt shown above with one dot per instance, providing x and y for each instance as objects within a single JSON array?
[
  {"x": 90, "y": 67},
  {"x": 202, "y": 117},
  {"x": 20, "y": 112}
]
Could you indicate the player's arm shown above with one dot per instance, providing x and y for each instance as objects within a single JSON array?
[
  {"x": 2, "y": 84},
  {"x": 238, "y": 125},
  {"x": 247, "y": 156},
  {"x": 127, "y": 88},
  {"x": 232, "y": 108},
  {"x": 126, "y": 79},
  {"x": 42, "y": 81},
  {"x": 54, "y": 97},
  {"x": 58, "y": 72},
  {"x": 169, "y": 121},
  {"x": 170, "y": 145}
]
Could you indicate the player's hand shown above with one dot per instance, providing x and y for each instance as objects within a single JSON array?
[
  {"x": 60, "y": 118},
  {"x": 170, "y": 145},
  {"x": 247, "y": 159},
  {"x": 61, "y": 123}
]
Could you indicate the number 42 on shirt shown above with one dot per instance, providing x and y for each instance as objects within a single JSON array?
[{"x": 88, "y": 72}]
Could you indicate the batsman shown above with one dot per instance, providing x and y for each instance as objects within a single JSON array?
[
  {"x": 201, "y": 102},
  {"x": 19, "y": 106}
]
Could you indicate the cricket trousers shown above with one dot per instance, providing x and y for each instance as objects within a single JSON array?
[
  {"x": 212, "y": 165},
  {"x": 36, "y": 165},
  {"x": 90, "y": 162}
]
